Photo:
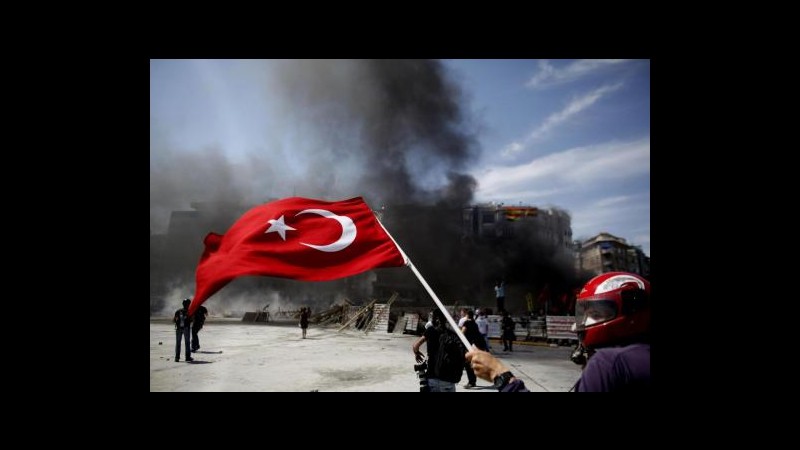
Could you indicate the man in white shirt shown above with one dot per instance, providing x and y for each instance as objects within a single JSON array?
[{"x": 483, "y": 327}]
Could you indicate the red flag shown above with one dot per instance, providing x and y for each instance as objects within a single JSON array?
[{"x": 299, "y": 238}]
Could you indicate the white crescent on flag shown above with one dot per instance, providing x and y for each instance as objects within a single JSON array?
[{"x": 348, "y": 231}]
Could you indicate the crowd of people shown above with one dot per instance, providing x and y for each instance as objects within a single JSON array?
[{"x": 612, "y": 323}]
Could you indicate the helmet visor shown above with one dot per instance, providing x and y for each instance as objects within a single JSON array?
[{"x": 591, "y": 312}]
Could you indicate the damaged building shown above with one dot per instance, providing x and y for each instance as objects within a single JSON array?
[{"x": 461, "y": 252}]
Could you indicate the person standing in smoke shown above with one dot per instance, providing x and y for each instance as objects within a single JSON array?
[
  {"x": 483, "y": 327},
  {"x": 197, "y": 324},
  {"x": 500, "y": 294},
  {"x": 305, "y": 313},
  {"x": 508, "y": 336},
  {"x": 474, "y": 336},
  {"x": 182, "y": 327}
]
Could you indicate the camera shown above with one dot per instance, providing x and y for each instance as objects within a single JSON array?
[
  {"x": 578, "y": 355},
  {"x": 422, "y": 373}
]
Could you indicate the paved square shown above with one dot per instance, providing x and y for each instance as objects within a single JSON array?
[{"x": 250, "y": 357}]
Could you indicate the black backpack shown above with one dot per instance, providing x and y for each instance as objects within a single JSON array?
[{"x": 450, "y": 358}]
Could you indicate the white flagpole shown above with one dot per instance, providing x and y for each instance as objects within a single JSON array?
[{"x": 428, "y": 288}]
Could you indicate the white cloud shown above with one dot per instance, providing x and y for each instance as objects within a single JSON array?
[
  {"x": 567, "y": 170},
  {"x": 610, "y": 162},
  {"x": 550, "y": 76},
  {"x": 574, "y": 107},
  {"x": 576, "y": 179},
  {"x": 511, "y": 150},
  {"x": 612, "y": 200},
  {"x": 615, "y": 215},
  {"x": 553, "y": 120}
]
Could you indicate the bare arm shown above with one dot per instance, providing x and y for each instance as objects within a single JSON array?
[
  {"x": 484, "y": 364},
  {"x": 415, "y": 348}
]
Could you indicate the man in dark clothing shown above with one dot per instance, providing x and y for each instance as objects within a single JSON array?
[
  {"x": 474, "y": 336},
  {"x": 440, "y": 378},
  {"x": 617, "y": 369},
  {"x": 197, "y": 324},
  {"x": 508, "y": 336},
  {"x": 612, "y": 320},
  {"x": 182, "y": 325},
  {"x": 305, "y": 314}
]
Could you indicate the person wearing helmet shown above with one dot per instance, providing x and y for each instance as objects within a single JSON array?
[
  {"x": 612, "y": 320},
  {"x": 182, "y": 329}
]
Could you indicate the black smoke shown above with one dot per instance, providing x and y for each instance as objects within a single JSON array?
[
  {"x": 400, "y": 122},
  {"x": 395, "y": 132}
]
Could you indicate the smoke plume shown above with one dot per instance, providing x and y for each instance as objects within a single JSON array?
[{"x": 393, "y": 132}]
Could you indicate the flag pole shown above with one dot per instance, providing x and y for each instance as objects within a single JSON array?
[{"x": 427, "y": 287}]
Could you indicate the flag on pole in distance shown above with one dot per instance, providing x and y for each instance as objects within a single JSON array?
[{"x": 298, "y": 238}]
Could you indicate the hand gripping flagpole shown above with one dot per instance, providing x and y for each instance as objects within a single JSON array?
[{"x": 436, "y": 300}]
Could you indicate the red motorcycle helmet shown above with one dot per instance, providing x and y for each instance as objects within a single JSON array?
[{"x": 612, "y": 308}]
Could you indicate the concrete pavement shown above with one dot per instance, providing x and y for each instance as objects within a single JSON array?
[{"x": 247, "y": 357}]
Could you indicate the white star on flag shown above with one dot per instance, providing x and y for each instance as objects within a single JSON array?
[{"x": 280, "y": 227}]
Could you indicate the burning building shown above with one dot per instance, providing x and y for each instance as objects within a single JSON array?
[
  {"x": 549, "y": 226},
  {"x": 464, "y": 250},
  {"x": 530, "y": 247}
]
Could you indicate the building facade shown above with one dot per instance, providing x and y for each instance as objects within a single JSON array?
[
  {"x": 552, "y": 226},
  {"x": 608, "y": 253}
]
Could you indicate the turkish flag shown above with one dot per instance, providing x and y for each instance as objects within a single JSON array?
[{"x": 298, "y": 238}]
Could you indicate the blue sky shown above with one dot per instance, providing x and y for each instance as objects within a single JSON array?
[
  {"x": 574, "y": 134},
  {"x": 568, "y": 133}
]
